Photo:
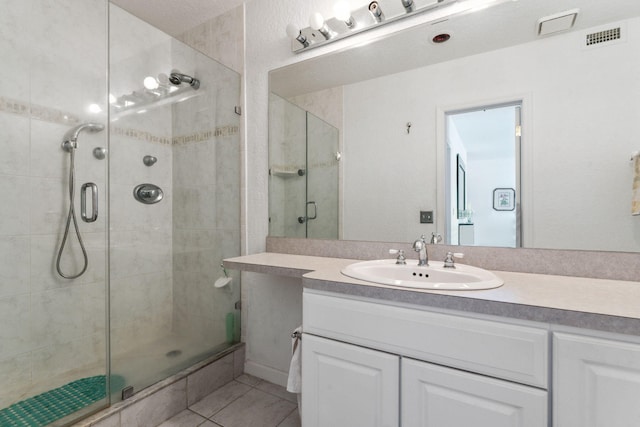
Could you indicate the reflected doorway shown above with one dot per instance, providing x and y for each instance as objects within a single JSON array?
[{"x": 483, "y": 175}]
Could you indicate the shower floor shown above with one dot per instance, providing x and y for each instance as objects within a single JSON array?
[
  {"x": 141, "y": 367},
  {"x": 159, "y": 359}
]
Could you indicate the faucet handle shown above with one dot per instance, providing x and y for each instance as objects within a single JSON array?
[
  {"x": 401, "y": 260},
  {"x": 435, "y": 238},
  {"x": 449, "y": 261}
]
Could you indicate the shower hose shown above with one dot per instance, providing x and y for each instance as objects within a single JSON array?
[{"x": 72, "y": 217}]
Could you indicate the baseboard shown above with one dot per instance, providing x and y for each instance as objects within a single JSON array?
[{"x": 266, "y": 373}]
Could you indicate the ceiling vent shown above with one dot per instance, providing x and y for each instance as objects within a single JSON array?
[
  {"x": 562, "y": 21},
  {"x": 603, "y": 36}
]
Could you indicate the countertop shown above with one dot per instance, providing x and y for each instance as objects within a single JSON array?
[{"x": 606, "y": 305}]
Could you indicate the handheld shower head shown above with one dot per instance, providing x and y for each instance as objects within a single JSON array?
[
  {"x": 177, "y": 78},
  {"x": 69, "y": 141}
]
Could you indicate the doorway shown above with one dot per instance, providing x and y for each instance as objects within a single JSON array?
[{"x": 483, "y": 175}]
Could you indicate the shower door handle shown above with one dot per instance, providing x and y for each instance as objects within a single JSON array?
[
  {"x": 94, "y": 202},
  {"x": 303, "y": 219},
  {"x": 315, "y": 210}
]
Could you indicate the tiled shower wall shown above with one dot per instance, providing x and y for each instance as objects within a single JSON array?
[
  {"x": 206, "y": 204},
  {"x": 49, "y": 325},
  {"x": 287, "y": 155},
  {"x": 141, "y": 235},
  {"x": 166, "y": 256}
]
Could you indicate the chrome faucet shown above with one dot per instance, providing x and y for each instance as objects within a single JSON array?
[{"x": 420, "y": 246}]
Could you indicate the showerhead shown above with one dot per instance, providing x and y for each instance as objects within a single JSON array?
[
  {"x": 177, "y": 78},
  {"x": 69, "y": 141}
]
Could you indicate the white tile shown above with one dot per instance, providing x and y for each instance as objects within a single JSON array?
[
  {"x": 14, "y": 265},
  {"x": 44, "y": 249},
  {"x": 15, "y": 326},
  {"x": 14, "y": 144},
  {"x": 249, "y": 380},
  {"x": 112, "y": 421},
  {"x": 185, "y": 418},
  {"x": 63, "y": 357},
  {"x": 156, "y": 408},
  {"x": 210, "y": 378},
  {"x": 293, "y": 420},
  {"x": 15, "y": 192},
  {"x": 219, "y": 399},
  {"x": 16, "y": 374},
  {"x": 278, "y": 391},
  {"x": 257, "y": 409}
]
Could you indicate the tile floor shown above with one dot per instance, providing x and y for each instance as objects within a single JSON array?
[{"x": 244, "y": 402}]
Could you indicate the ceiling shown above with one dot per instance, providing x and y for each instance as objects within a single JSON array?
[
  {"x": 498, "y": 27},
  {"x": 176, "y": 17}
]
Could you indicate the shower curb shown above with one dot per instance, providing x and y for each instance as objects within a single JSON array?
[{"x": 196, "y": 374}]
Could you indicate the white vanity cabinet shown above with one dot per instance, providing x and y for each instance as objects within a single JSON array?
[
  {"x": 348, "y": 385},
  {"x": 372, "y": 364},
  {"x": 596, "y": 382},
  {"x": 436, "y": 396}
]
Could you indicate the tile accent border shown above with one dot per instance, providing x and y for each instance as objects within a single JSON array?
[
  {"x": 592, "y": 264},
  {"x": 38, "y": 112},
  {"x": 196, "y": 137}
]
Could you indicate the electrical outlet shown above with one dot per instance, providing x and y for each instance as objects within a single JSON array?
[{"x": 426, "y": 217}]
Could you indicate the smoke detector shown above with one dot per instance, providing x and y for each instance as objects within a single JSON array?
[{"x": 558, "y": 22}]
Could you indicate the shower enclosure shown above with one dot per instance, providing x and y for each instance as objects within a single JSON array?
[
  {"x": 303, "y": 173},
  {"x": 145, "y": 306}
]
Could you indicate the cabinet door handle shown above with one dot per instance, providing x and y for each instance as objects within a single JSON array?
[{"x": 94, "y": 202}]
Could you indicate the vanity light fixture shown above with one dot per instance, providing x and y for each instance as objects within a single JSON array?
[
  {"x": 408, "y": 5},
  {"x": 295, "y": 33},
  {"x": 151, "y": 83},
  {"x": 348, "y": 22},
  {"x": 342, "y": 10},
  {"x": 316, "y": 21},
  {"x": 376, "y": 11}
]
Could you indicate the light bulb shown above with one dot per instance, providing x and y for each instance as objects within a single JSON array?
[
  {"x": 342, "y": 11},
  {"x": 94, "y": 108},
  {"x": 316, "y": 21},
  {"x": 293, "y": 31},
  {"x": 150, "y": 83}
]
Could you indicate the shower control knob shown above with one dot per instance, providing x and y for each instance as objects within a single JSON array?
[{"x": 148, "y": 193}]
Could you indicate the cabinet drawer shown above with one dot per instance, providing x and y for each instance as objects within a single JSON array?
[
  {"x": 436, "y": 396},
  {"x": 512, "y": 352}
]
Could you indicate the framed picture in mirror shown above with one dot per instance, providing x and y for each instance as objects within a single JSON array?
[{"x": 504, "y": 199}]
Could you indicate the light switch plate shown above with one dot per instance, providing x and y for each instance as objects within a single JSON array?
[{"x": 426, "y": 217}]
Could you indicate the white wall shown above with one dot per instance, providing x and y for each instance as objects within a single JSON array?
[
  {"x": 570, "y": 149},
  {"x": 267, "y": 48},
  {"x": 553, "y": 103}
]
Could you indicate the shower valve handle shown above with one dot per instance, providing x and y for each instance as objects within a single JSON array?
[{"x": 94, "y": 202}]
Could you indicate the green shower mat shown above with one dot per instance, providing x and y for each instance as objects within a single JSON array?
[{"x": 54, "y": 404}]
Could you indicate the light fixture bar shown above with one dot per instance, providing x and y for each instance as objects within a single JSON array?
[{"x": 381, "y": 12}]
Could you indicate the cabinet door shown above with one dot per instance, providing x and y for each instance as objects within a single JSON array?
[
  {"x": 596, "y": 382},
  {"x": 435, "y": 396},
  {"x": 348, "y": 386}
]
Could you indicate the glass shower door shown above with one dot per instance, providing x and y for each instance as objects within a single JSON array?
[
  {"x": 174, "y": 134},
  {"x": 53, "y": 343},
  {"x": 303, "y": 173},
  {"x": 322, "y": 179}
]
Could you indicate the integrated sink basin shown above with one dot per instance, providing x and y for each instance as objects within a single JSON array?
[{"x": 435, "y": 276}]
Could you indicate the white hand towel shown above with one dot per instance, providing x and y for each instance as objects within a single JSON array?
[
  {"x": 635, "y": 197},
  {"x": 294, "y": 382}
]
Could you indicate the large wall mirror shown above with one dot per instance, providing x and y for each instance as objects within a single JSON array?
[{"x": 379, "y": 119}]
